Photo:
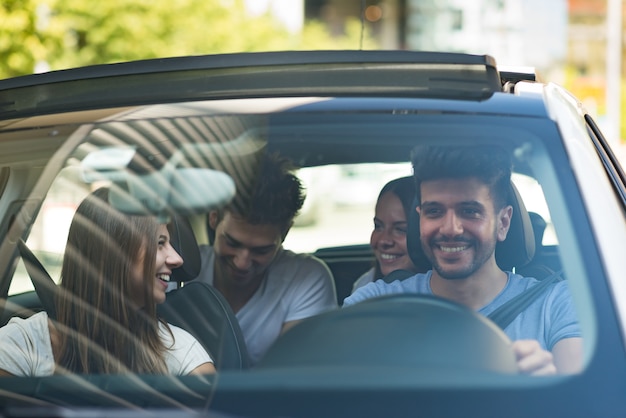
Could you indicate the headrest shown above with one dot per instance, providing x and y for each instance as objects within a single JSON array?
[
  {"x": 413, "y": 245},
  {"x": 539, "y": 227},
  {"x": 184, "y": 242},
  {"x": 516, "y": 250}
]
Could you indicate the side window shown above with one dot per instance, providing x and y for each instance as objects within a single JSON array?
[
  {"x": 339, "y": 205},
  {"x": 340, "y": 201},
  {"x": 48, "y": 235},
  {"x": 535, "y": 201}
]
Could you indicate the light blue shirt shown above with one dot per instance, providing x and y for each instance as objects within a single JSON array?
[{"x": 549, "y": 319}]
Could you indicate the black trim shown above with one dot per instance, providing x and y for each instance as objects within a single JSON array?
[
  {"x": 609, "y": 159},
  {"x": 270, "y": 74},
  {"x": 45, "y": 287}
]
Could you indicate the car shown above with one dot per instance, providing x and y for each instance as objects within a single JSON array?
[{"x": 178, "y": 136}]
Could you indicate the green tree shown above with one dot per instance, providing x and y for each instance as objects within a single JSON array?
[
  {"x": 22, "y": 43},
  {"x": 71, "y": 33}
]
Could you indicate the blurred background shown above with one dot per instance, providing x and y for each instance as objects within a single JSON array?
[{"x": 575, "y": 43}]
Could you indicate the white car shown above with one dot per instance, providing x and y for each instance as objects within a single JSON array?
[{"x": 178, "y": 136}]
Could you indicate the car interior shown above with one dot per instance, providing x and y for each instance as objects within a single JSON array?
[
  {"x": 124, "y": 152},
  {"x": 178, "y": 160}
]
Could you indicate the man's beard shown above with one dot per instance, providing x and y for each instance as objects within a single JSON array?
[{"x": 481, "y": 255}]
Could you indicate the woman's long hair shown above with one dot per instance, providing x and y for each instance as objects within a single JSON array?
[{"x": 102, "y": 330}]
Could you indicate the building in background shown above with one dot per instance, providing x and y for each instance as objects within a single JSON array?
[
  {"x": 564, "y": 40},
  {"x": 289, "y": 12},
  {"x": 516, "y": 32},
  {"x": 588, "y": 59},
  {"x": 384, "y": 20}
]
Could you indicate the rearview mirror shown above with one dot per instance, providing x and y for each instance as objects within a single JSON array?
[{"x": 159, "y": 191}]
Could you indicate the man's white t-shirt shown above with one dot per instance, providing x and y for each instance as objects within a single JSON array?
[
  {"x": 25, "y": 348},
  {"x": 297, "y": 286}
]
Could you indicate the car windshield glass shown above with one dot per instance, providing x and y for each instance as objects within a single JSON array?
[{"x": 201, "y": 162}]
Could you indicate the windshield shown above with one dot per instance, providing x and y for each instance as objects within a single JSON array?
[{"x": 193, "y": 167}]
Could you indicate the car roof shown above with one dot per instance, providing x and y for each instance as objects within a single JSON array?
[{"x": 460, "y": 78}]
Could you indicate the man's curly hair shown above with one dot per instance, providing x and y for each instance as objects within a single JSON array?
[{"x": 276, "y": 197}]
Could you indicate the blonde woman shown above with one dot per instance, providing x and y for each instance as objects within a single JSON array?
[{"x": 115, "y": 271}]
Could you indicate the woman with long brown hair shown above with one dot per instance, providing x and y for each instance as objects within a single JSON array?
[
  {"x": 388, "y": 239},
  {"x": 115, "y": 271}
]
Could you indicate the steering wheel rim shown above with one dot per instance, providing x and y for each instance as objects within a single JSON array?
[{"x": 403, "y": 330}]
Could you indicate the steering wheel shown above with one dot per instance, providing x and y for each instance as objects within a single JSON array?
[{"x": 404, "y": 330}]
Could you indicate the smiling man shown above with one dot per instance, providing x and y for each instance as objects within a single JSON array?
[
  {"x": 463, "y": 195},
  {"x": 269, "y": 288}
]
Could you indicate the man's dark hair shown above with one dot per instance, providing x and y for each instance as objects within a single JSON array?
[
  {"x": 489, "y": 164},
  {"x": 276, "y": 197}
]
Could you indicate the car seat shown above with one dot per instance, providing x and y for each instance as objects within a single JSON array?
[
  {"x": 537, "y": 268},
  {"x": 199, "y": 308}
]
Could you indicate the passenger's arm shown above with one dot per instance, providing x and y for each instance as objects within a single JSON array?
[
  {"x": 204, "y": 368},
  {"x": 568, "y": 355}
]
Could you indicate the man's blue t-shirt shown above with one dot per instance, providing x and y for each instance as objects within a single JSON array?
[{"x": 549, "y": 319}]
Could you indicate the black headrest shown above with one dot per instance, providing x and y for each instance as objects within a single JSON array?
[
  {"x": 184, "y": 242},
  {"x": 202, "y": 311},
  {"x": 539, "y": 227},
  {"x": 516, "y": 250}
]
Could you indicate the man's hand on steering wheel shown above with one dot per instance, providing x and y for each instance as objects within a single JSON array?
[{"x": 532, "y": 359}]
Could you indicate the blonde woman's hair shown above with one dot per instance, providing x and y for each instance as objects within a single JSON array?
[{"x": 101, "y": 329}]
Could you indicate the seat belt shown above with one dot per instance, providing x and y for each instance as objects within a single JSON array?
[
  {"x": 506, "y": 313},
  {"x": 45, "y": 287}
]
